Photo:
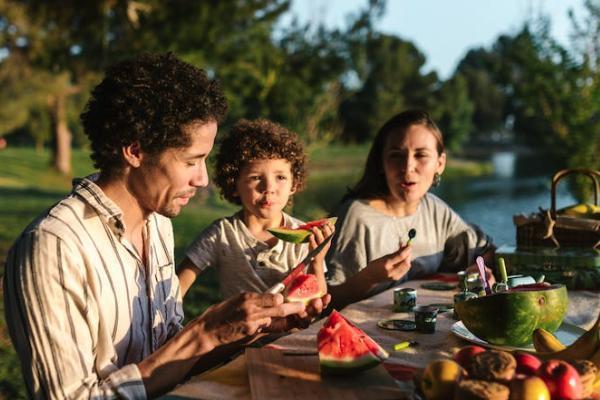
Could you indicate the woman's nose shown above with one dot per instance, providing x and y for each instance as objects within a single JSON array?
[{"x": 411, "y": 163}]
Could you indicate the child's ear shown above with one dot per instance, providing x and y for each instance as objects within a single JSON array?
[{"x": 293, "y": 190}]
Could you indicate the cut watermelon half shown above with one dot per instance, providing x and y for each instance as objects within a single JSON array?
[
  {"x": 301, "y": 233},
  {"x": 345, "y": 349},
  {"x": 303, "y": 289}
]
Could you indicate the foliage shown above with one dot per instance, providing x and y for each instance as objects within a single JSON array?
[
  {"x": 478, "y": 69},
  {"x": 453, "y": 111},
  {"x": 326, "y": 84}
]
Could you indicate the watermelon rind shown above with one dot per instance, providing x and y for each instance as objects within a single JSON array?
[
  {"x": 337, "y": 366},
  {"x": 509, "y": 318},
  {"x": 298, "y": 235},
  {"x": 338, "y": 335},
  {"x": 290, "y": 235}
]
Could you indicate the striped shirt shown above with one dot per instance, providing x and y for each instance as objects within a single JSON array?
[{"x": 81, "y": 306}]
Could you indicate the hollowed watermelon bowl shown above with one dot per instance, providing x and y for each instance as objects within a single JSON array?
[{"x": 509, "y": 318}]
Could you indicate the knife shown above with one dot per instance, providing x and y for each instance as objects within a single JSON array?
[{"x": 300, "y": 268}]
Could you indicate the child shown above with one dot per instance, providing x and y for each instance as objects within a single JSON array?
[{"x": 260, "y": 164}]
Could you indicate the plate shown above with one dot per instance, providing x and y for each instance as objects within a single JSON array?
[
  {"x": 397, "y": 324},
  {"x": 566, "y": 333},
  {"x": 438, "y": 286},
  {"x": 442, "y": 307}
]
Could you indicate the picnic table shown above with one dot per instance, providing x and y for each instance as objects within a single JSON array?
[{"x": 231, "y": 381}]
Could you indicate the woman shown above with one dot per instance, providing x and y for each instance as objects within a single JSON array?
[{"x": 370, "y": 252}]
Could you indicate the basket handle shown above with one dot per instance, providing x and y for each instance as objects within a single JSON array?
[{"x": 593, "y": 174}]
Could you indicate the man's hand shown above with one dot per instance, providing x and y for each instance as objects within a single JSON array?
[
  {"x": 390, "y": 267},
  {"x": 245, "y": 315},
  {"x": 302, "y": 320}
]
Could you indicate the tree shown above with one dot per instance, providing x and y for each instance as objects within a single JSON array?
[
  {"x": 66, "y": 45},
  {"x": 453, "y": 111},
  {"x": 479, "y": 69},
  {"x": 59, "y": 44},
  {"x": 392, "y": 82}
]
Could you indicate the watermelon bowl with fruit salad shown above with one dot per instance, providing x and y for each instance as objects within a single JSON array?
[
  {"x": 346, "y": 349},
  {"x": 509, "y": 318}
]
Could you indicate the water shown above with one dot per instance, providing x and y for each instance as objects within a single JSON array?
[{"x": 491, "y": 202}]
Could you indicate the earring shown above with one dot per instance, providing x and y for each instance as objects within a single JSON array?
[{"x": 437, "y": 178}]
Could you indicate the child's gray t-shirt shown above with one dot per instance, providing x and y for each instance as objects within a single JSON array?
[{"x": 243, "y": 263}]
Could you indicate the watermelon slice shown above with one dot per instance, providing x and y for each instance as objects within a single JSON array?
[
  {"x": 301, "y": 233},
  {"x": 345, "y": 349},
  {"x": 303, "y": 288}
]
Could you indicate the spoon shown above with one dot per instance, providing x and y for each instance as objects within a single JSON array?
[
  {"x": 411, "y": 235},
  {"x": 481, "y": 267}
]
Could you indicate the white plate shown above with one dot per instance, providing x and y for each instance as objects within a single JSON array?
[{"x": 566, "y": 333}]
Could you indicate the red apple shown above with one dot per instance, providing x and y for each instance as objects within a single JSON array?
[
  {"x": 527, "y": 364},
  {"x": 464, "y": 355},
  {"x": 562, "y": 379}
]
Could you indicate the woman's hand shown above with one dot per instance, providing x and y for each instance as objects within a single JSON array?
[{"x": 390, "y": 267}]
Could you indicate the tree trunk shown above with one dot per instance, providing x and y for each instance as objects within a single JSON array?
[{"x": 62, "y": 135}]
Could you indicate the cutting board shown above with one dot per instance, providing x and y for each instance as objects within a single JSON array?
[{"x": 275, "y": 374}]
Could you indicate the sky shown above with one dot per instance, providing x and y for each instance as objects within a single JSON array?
[{"x": 444, "y": 30}]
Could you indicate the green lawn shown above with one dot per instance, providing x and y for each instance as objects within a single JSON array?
[{"x": 28, "y": 186}]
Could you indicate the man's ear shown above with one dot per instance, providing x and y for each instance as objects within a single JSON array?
[{"x": 133, "y": 154}]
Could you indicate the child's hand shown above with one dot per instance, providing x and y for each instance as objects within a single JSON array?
[
  {"x": 319, "y": 234},
  {"x": 390, "y": 267}
]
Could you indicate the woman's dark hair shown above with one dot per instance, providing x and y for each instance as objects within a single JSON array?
[
  {"x": 148, "y": 99},
  {"x": 258, "y": 139},
  {"x": 372, "y": 184}
]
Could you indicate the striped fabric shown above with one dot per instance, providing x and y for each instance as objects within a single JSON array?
[{"x": 80, "y": 305}]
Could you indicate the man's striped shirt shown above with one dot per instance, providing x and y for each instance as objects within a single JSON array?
[{"x": 81, "y": 306}]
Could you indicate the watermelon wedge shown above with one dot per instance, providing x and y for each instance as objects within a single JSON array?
[
  {"x": 301, "y": 233},
  {"x": 345, "y": 349},
  {"x": 303, "y": 288}
]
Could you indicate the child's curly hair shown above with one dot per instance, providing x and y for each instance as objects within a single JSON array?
[{"x": 258, "y": 139}]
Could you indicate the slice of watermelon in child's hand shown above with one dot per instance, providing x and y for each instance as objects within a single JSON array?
[{"x": 301, "y": 233}]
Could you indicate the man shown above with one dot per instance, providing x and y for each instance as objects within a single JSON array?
[{"x": 92, "y": 299}]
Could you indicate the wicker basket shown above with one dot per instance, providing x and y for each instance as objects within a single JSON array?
[{"x": 547, "y": 229}]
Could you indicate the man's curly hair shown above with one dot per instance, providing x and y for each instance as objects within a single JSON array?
[
  {"x": 258, "y": 139},
  {"x": 148, "y": 99}
]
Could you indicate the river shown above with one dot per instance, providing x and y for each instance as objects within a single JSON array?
[{"x": 491, "y": 202}]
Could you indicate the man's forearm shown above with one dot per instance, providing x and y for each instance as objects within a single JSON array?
[{"x": 169, "y": 365}]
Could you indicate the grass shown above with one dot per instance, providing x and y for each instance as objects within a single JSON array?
[{"x": 28, "y": 186}]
